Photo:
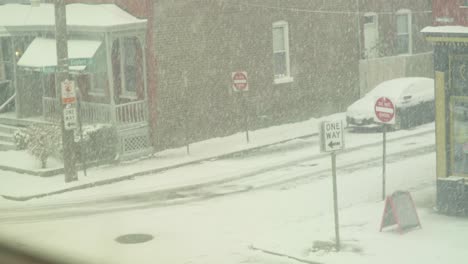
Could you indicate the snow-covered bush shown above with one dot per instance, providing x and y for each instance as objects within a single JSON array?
[
  {"x": 21, "y": 139},
  {"x": 100, "y": 142},
  {"x": 43, "y": 141}
]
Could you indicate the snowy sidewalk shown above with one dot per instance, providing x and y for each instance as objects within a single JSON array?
[{"x": 22, "y": 187}]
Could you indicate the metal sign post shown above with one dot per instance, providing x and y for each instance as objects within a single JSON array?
[
  {"x": 384, "y": 111},
  {"x": 384, "y": 157},
  {"x": 80, "y": 126},
  {"x": 332, "y": 140},
  {"x": 240, "y": 84},
  {"x": 335, "y": 202},
  {"x": 186, "y": 114}
]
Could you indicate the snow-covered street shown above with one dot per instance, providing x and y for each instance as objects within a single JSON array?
[{"x": 287, "y": 210}]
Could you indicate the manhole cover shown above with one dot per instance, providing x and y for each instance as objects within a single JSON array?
[{"x": 134, "y": 238}]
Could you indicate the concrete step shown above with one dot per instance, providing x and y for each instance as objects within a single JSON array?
[
  {"x": 7, "y": 137},
  {"x": 11, "y": 121},
  {"x": 4, "y": 145},
  {"x": 7, "y": 129}
]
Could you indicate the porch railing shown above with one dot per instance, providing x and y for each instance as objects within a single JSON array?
[
  {"x": 125, "y": 114},
  {"x": 131, "y": 113},
  {"x": 95, "y": 113}
]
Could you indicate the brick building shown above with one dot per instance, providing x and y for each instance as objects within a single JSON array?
[{"x": 303, "y": 58}]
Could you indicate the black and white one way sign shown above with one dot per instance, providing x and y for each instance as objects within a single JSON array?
[{"x": 331, "y": 136}]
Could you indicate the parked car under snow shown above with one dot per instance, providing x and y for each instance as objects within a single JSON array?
[{"x": 413, "y": 99}]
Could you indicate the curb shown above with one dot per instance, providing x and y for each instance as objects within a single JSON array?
[{"x": 152, "y": 171}]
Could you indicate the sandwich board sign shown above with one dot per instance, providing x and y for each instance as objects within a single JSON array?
[
  {"x": 331, "y": 136},
  {"x": 400, "y": 210}
]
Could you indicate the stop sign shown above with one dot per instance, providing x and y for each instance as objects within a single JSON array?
[
  {"x": 384, "y": 111},
  {"x": 239, "y": 81}
]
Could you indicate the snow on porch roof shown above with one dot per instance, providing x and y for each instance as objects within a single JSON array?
[
  {"x": 446, "y": 30},
  {"x": 78, "y": 15},
  {"x": 42, "y": 53}
]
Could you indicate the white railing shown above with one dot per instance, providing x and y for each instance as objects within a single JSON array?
[
  {"x": 7, "y": 102},
  {"x": 95, "y": 113},
  {"x": 131, "y": 113},
  {"x": 125, "y": 114},
  {"x": 51, "y": 109},
  {"x": 90, "y": 112}
]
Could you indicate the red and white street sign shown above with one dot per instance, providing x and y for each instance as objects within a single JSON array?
[
  {"x": 384, "y": 111},
  {"x": 239, "y": 81},
  {"x": 68, "y": 92}
]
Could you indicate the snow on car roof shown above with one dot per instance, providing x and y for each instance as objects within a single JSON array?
[
  {"x": 394, "y": 87},
  {"x": 102, "y": 15}
]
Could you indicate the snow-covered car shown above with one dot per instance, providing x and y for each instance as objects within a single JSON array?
[{"x": 413, "y": 99}]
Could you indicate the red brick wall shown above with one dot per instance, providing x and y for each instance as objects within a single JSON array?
[
  {"x": 449, "y": 12},
  {"x": 137, "y": 8}
]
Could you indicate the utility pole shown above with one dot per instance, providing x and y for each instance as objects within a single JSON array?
[{"x": 61, "y": 75}]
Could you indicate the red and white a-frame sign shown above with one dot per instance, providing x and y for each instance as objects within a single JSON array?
[{"x": 400, "y": 210}]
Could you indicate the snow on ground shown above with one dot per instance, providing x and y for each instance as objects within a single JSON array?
[
  {"x": 287, "y": 220},
  {"x": 23, "y": 185},
  {"x": 24, "y": 160}
]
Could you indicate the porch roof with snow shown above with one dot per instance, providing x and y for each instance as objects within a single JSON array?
[
  {"x": 80, "y": 17},
  {"x": 447, "y": 34},
  {"x": 42, "y": 54}
]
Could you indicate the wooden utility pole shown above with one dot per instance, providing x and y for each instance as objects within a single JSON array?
[{"x": 61, "y": 38}]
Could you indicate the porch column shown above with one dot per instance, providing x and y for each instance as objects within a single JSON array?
[
  {"x": 142, "y": 40},
  {"x": 110, "y": 75},
  {"x": 15, "y": 78}
]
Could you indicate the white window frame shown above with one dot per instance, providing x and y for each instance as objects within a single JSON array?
[
  {"x": 406, "y": 12},
  {"x": 376, "y": 22},
  {"x": 287, "y": 77}
]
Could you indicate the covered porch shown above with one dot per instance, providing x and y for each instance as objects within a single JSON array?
[{"x": 107, "y": 61}]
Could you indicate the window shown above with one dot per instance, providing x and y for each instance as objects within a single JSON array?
[
  {"x": 131, "y": 66},
  {"x": 98, "y": 72},
  {"x": 281, "y": 52},
  {"x": 465, "y": 3},
  {"x": 403, "y": 45},
  {"x": 371, "y": 35}
]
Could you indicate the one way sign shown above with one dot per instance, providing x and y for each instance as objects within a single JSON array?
[{"x": 331, "y": 136}]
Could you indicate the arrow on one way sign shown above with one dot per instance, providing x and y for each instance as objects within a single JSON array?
[
  {"x": 331, "y": 136},
  {"x": 333, "y": 144}
]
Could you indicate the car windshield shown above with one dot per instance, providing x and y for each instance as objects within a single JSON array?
[{"x": 233, "y": 131}]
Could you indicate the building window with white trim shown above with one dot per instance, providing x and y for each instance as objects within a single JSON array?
[
  {"x": 281, "y": 52},
  {"x": 403, "y": 28}
]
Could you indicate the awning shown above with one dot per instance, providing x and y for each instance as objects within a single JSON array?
[{"x": 42, "y": 54}]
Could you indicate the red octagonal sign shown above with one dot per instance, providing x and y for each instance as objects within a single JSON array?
[
  {"x": 239, "y": 81},
  {"x": 384, "y": 111}
]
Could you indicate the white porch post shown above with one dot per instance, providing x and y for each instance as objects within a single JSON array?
[
  {"x": 15, "y": 77},
  {"x": 145, "y": 76},
  {"x": 110, "y": 76}
]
